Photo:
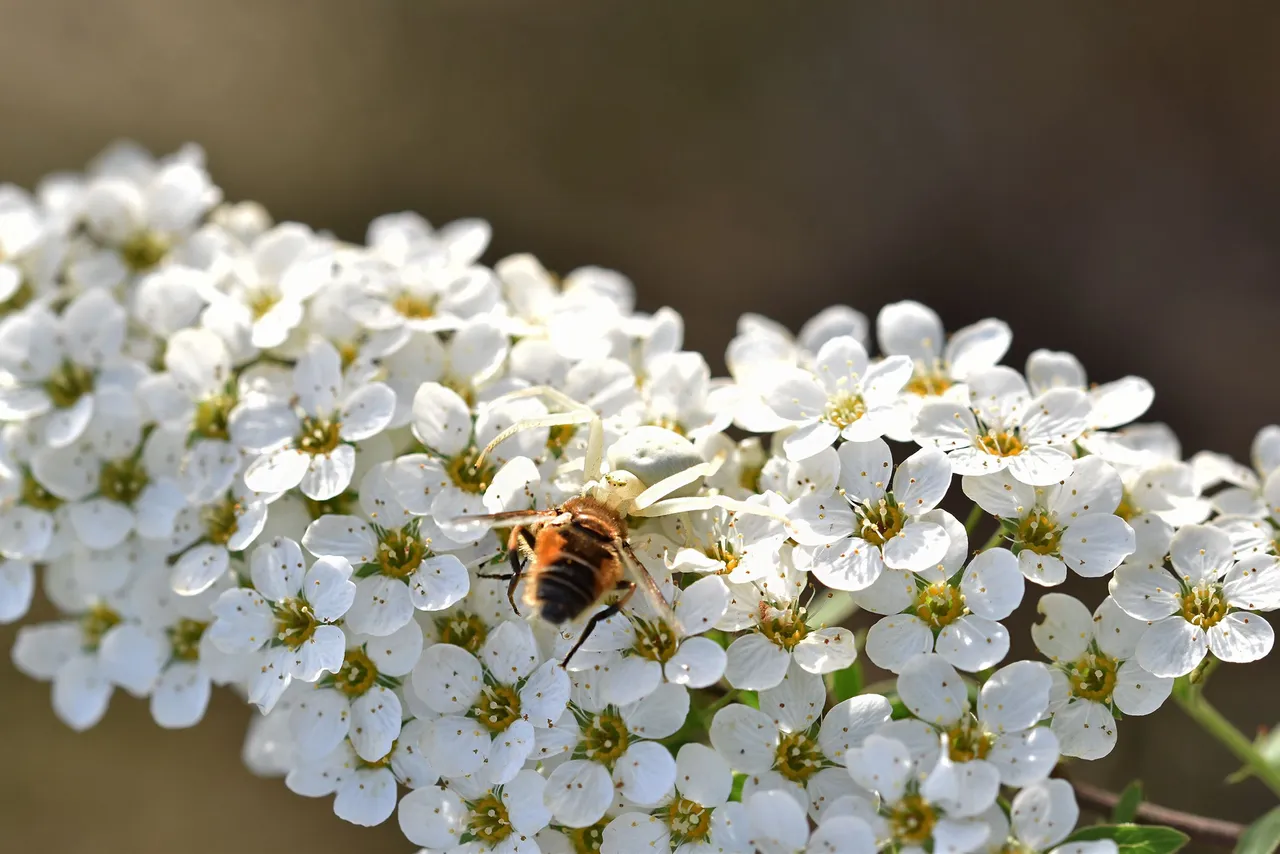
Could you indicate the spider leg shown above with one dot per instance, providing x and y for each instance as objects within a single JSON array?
[
  {"x": 555, "y": 419},
  {"x": 670, "y": 484},
  {"x": 652, "y": 592},
  {"x": 670, "y": 506},
  {"x": 600, "y": 616}
]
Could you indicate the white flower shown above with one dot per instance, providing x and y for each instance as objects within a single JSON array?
[
  {"x": 1004, "y": 427},
  {"x": 507, "y": 689},
  {"x": 635, "y": 653},
  {"x": 875, "y": 523},
  {"x": 470, "y": 360},
  {"x": 502, "y": 820},
  {"x": 407, "y": 239},
  {"x": 209, "y": 535},
  {"x": 313, "y": 450},
  {"x": 365, "y": 792},
  {"x": 1043, "y": 815},
  {"x": 1210, "y": 605},
  {"x": 616, "y": 751},
  {"x": 760, "y": 658},
  {"x": 1248, "y": 487},
  {"x": 1094, "y": 673},
  {"x": 942, "y": 806},
  {"x": 739, "y": 547},
  {"x": 57, "y": 365},
  {"x": 940, "y": 363},
  {"x": 999, "y": 742},
  {"x": 697, "y": 816},
  {"x": 843, "y": 397},
  {"x": 789, "y": 745},
  {"x": 1070, "y": 524},
  {"x": 358, "y": 702},
  {"x": 396, "y": 568},
  {"x": 88, "y": 657},
  {"x": 1111, "y": 405},
  {"x": 287, "y": 618},
  {"x": 940, "y": 608},
  {"x": 776, "y": 823}
]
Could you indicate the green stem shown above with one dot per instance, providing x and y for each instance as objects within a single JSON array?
[
  {"x": 835, "y": 608},
  {"x": 1192, "y": 700},
  {"x": 993, "y": 541},
  {"x": 974, "y": 517}
]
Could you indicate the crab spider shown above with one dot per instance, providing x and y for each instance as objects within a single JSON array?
[{"x": 643, "y": 453}]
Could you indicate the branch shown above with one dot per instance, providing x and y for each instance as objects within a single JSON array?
[{"x": 1213, "y": 831}]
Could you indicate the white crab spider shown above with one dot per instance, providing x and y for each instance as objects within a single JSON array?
[{"x": 643, "y": 454}]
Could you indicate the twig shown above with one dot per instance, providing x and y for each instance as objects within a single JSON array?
[{"x": 1213, "y": 831}]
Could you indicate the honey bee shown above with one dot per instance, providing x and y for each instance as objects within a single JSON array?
[{"x": 576, "y": 555}]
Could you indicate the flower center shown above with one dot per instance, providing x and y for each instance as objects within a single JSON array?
[
  {"x": 843, "y": 408},
  {"x": 212, "y": 414},
  {"x": 413, "y": 306},
  {"x": 1204, "y": 606},
  {"x": 880, "y": 522},
  {"x": 605, "y": 739},
  {"x": 319, "y": 436},
  {"x": 400, "y": 553},
  {"x": 95, "y": 623},
  {"x": 1093, "y": 676},
  {"x": 1127, "y": 509},
  {"x": 358, "y": 673},
  {"x": 144, "y": 250},
  {"x": 939, "y": 604},
  {"x": 785, "y": 629},
  {"x": 969, "y": 741},
  {"x": 35, "y": 495},
  {"x": 1000, "y": 444},
  {"x": 122, "y": 480},
  {"x": 670, "y": 424},
  {"x": 489, "y": 821},
  {"x": 261, "y": 301},
  {"x": 466, "y": 476},
  {"x": 928, "y": 382},
  {"x": 586, "y": 840},
  {"x": 184, "y": 638},
  {"x": 221, "y": 520},
  {"x": 912, "y": 820},
  {"x": 689, "y": 821},
  {"x": 559, "y": 437},
  {"x": 462, "y": 629},
  {"x": 798, "y": 757},
  {"x": 68, "y": 384},
  {"x": 654, "y": 640},
  {"x": 295, "y": 622},
  {"x": 1039, "y": 533},
  {"x": 498, "y": 707}
]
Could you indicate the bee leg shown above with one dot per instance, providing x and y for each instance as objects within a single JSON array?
[
  {"x": 601, "y": 615},
  {"x": 519, "y": 544}
]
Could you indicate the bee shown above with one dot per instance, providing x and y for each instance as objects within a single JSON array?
[{"x": 577, "y": 555}]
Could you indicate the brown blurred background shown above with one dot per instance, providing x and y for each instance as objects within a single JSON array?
[{"x": 1101, "y": 175}]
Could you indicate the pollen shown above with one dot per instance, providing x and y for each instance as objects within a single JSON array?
[
  {"x": 67, "y": 384},
  {"x": 319, "y": 436},
  {"x": 498, "y": 707},
  {"x": 605, "y": 739},
  {"x": 489, "y": 821},
  {"x": 1093, "y": 677},
  {"x": 939, "y": 604},
  {"x": 1039, "y": 533},
  {"x": 1001, "y": 444},
  {"x": 798, "y": 757},
  {"x": 689, "y": 821},
  {"x": 1204, "y": 606},
  {"x": 122, "y": 480},
  {"x": 912, "y": 820},
  {"x": 844, "y": 408}
]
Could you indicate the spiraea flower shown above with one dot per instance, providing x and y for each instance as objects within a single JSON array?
[
  {"x": 287, "y": 618},
  {"x": 1209, "y": 603},
  {"x": 1070, "y": 524},
  {"x": 844, "y": 396},
  {"x": 1003, "y": 427},
  {"x": 1096, "y": 676},
  {"x": 250, "y": 455},
  {"x": 877, "y": 522},
  {"x": 309, "y": 445}
]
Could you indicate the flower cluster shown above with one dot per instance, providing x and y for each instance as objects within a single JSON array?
[{"x": 247, "y": 454}]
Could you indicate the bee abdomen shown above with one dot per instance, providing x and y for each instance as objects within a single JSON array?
[{"x": 565, "y": 590}]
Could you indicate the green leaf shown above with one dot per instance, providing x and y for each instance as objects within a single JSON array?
[
  {"x": 1263, "y": 836},
  {"x": 1127, "y": 807},
  {"x": 1134, "y": 838},
  {"x": 847, "y": 683},
  {"x": 749, "y": 698},
  {"x": 1268, "y": 747}
]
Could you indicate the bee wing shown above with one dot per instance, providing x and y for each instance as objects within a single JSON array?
[
  {"x": 646, "y": 582},
  {"x": 497, "y": 520}
]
